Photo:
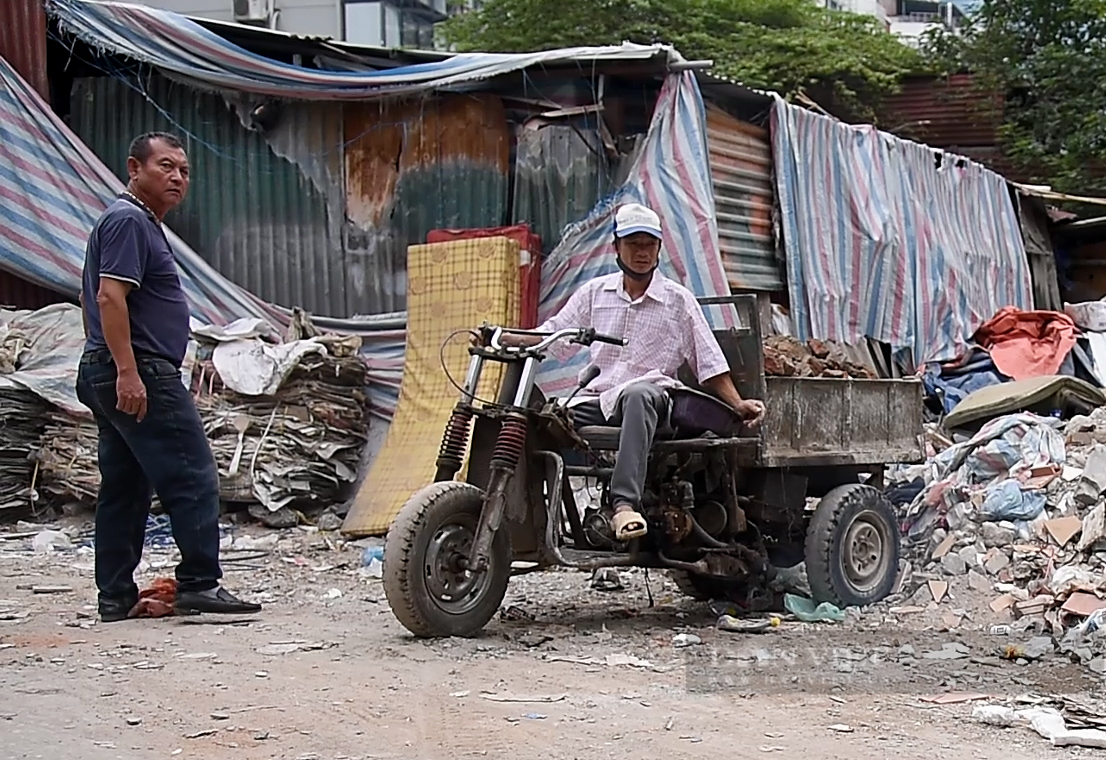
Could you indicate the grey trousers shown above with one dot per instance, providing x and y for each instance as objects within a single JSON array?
[{"x": 641, "y": 408}]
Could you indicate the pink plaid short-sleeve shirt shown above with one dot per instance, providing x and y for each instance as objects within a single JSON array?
[{"x": 664, "y": 328}]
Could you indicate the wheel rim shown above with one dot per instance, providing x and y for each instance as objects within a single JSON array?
[
  {"x": 453, "y": 589},
  {"x": 864, "y": 550}
]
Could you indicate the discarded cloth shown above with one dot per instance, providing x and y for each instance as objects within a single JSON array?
[
  {"x": 1007, "y": 500},
  {"x": 1045, "y": 395},
  {"x": 157, "y": 600},
  {"x": 1027, "y": 343},
  {"x": 953, "y": 382},
  {"x": 1006, "y": 448}
]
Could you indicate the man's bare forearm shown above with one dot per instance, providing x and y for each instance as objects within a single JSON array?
[
  {"x": 115, "y": 320},
  {"x": 724, "y": 387}
]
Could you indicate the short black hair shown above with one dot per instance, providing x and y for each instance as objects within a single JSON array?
[{"x": 140, "y": 149}]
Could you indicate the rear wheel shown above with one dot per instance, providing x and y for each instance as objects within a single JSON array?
[
  {"x": 852, "y": 547},
  {"x": 429, "y": 591}
]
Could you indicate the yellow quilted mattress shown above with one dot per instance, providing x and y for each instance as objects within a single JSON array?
[{"x": 450, "y": 286}]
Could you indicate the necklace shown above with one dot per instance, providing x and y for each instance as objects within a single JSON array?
[{"x": 145, "y": 208}]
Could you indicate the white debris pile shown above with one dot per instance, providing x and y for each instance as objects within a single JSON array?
[
  {"x": 1018, "y": 512},
  {"x": 67, "y": 459},
  {"x": 21, "y": 423},
  {"x": 287, "y": 422},
  {"x": 1062, "y": 721}
]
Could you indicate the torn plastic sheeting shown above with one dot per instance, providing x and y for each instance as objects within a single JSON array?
[
  {"x": 48, "y": 366},
  {"x": 239, "y": 329},
  {"x": 808, "y": 612},
  {"x": 1004, "y": 448},
  {"x": 255, "y": 368},
  {"x": 1007, "y": 501},
  {"x": 1046, "y": 721}
]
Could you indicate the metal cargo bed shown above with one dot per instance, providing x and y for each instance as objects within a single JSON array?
[
  {"x": 814, "y": 421},
  {"x": 820, "y": 422}
]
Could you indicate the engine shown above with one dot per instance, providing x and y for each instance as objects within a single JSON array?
[{"x": 674, "y": 512}]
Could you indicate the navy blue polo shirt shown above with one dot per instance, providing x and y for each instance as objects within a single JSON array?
[{"x": 127, "y": 244}]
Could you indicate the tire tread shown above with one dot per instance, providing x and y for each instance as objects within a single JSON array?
[
  {"x": 822, "y": 533},
  {"x": 399, "y": 548}
]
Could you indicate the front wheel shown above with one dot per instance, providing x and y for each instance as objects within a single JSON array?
[
  {"x": 429, "y": 591},
  {"x": 852, "y": 547}
]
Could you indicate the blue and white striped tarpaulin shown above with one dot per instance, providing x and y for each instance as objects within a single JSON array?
[
  {"x": 892, "y": 240},
  {"x": 177, "y": 44},
  {"x": 52, "y": 190},
  {"x": 671, "y": 174}
]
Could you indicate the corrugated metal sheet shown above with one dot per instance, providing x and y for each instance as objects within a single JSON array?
[
  {"x": 561, "y": 172},
  {"x": 23, "y": 41},
  {"x": 270, "y": 224},
  {"x": 17, "y": 293},
  {"x": 943, "y": 112},
  {"x": 416, "y": 166},
  {"x": 741, "y": 172}
]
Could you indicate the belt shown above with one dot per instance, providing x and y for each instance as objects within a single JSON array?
[{"x": 103, "y": 356}]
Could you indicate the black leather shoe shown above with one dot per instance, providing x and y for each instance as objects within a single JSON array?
[
  {"x": 114, "y": 610},
  {"x": 219, "y": 602}
]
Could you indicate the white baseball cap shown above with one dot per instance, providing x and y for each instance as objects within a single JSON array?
[{"x": 633, "y": 217}]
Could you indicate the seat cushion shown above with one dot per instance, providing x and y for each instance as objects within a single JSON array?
[
  {"x": 600, "y": 437},
  {"x": 695, "y": 413}
]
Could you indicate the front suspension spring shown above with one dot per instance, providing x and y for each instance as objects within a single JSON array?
[
  {"x": 509, "y": 444},
  {"x": 455, "y": 440}
]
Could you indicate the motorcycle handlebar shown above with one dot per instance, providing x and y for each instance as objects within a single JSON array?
[
  {"x": 585, "y": 336},
  {"x": 601, "y": 338}
]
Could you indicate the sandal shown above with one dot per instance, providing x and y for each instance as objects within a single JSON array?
[{"x": 627, "y": 525}]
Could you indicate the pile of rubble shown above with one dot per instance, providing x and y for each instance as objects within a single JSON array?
[
  {"x": 22, "y": 419},
  {"x": 298, "y": 449},
  {"x": 785, "y": 356},
  {"x": 21, "y": 423},
  {"x": 1016, "y": 516},
  {"x": 66, "y": 457}
]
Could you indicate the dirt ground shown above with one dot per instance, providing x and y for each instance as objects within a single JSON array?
[{"x": 326, "y": 672}]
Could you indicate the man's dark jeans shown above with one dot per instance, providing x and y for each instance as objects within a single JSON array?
[{"x": 167, "y": 452}]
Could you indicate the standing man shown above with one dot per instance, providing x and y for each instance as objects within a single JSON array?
[
  {"x": 664, "y": 326},
  {"x": 150, "y": 434}
]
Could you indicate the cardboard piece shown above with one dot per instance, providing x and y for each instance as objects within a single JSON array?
[
  {"x": 1063, "y": 529},
  {"x": 1083, "y": 604},
  {"x": 944, "y": 547}
]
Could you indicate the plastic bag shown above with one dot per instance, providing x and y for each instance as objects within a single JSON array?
[
  {"x": 805, "y": 610},
  {"x": 1007, "y": 501}
]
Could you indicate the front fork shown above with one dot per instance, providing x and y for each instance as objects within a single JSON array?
[{"x": 509, "y": 447}]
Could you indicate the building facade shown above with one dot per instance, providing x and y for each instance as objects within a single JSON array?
[
  {"x": 908, "y": 20},
  {"x": 380, "y": 23}
]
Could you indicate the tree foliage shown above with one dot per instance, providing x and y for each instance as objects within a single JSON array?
[
  {"x": 789, "y": 46},
  {"x": 1046, "y": 60}
]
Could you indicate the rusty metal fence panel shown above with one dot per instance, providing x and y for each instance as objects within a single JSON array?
[{"x": 741, "y": 170}]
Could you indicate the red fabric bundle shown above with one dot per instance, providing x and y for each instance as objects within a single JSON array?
[
  {"x": 1027, "y": 344},
  {"x": 157, "y": 600}
]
